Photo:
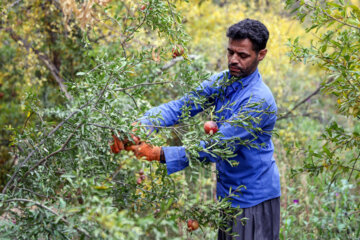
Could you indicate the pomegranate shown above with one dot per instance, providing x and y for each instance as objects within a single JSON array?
[
  {"x": 139, "y": 181},
  {"x": 210, "y": 127},
  {"x": 177, "y": 51},
  {"x": 192, "y": 225}
]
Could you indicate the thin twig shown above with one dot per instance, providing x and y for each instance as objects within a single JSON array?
[
  {"x": 137, "y": 28},
  {"x": 44, "y": 58},
  {"x": 170, "y": 127},
  {"x": 286, "y": 115},
  {"x": 80, "y": 230},
  {"x": 354, "y": 212},
  {"x": 175, "y": 60},
  {"x": 35, "y": 193},
  {"x": 122, "y": 43},
  {"x": 343, "y": 166},
  {"x": 100, "y": 65},
  {"x": 172, "y": 14},
  {"x": 353, "y": 168},
  {"x": 12, "y": 4},
  {"x": 347, "y": 24},
  {"x": 26, "y": 121},
  {"x": 116, "y": 172},
  {"x": 61, "y": 149},
  {"x": 141, "y": 85},
  {"x": 41, "y": 143},
  {"x": 328, "y": 15},
  {"x": 101, "y": 126},
  {"x": 133, "y": 99},
  {"x": 100, "y": 95},
  {"x": 300, "y": 103}
]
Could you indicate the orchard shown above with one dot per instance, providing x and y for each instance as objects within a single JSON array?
[{"x": 76, "y": 78}]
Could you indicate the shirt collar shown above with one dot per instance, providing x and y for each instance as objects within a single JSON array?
[{"x": 243, "y": 82}]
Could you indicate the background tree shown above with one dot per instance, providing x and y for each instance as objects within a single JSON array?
[{"x": 336, "y": 24}]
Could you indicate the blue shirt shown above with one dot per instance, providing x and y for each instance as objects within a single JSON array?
[{"x": 256, "y": 168}]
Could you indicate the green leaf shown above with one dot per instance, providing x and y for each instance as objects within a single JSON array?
[
  {"x": 334, "y": 5},
  {"x": 80, "y": 73}
]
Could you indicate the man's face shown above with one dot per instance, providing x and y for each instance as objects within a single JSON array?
[{"x": 242, "y": 59}]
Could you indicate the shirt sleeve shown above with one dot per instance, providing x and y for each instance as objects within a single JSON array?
[
  {"x": 171, "y": 113},
  {"x": 261, "y": 116},
  {"x": 252, "y": 122},
  {"x": 176, "y": 159},
  {"x": 231, "y": 135}
]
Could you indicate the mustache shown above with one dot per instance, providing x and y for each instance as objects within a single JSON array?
[{"x": 235, "y": 66}]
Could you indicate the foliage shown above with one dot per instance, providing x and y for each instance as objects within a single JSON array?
[
  {"x": 336, "y": 24},
  {"x": 312, "y": 206},
  {"x": 37, "y": 54},
  {"x": 321, "y": 213}
]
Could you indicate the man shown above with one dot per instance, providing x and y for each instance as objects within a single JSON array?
[{"x": 256, "y": 168}]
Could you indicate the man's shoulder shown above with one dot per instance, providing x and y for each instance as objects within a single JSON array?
[{"x": 260, "y": 92}]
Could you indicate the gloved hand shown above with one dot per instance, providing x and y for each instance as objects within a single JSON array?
[
  {"x": 150, "y": 152},
  {"x": 134, "y": 137},
  {"x": 117, "y": 145},
  {"x": 141, "y": 149}
]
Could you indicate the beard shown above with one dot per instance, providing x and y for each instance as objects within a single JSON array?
[{"x": 240, "y": 72}]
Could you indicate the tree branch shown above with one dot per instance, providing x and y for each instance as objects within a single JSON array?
[
  {"x": 41, "y": 143},
  {"x": 172, "y": 14},
  {"x": 140, "y": 85},
  {"x": 287, "y": 114},
  {"x": 174, "y": 61},
  {"x": 45, "y": 59},
  {"x": 13, "y": 4},
  {"x": 314, "y": 8},
  {"x": 101, "y": 126},
  {"x": 53, "y": 153},
  {"x": 51, "y": 133},
  {"x": 339, "y": 21},
  {"x": 37, "y": 194},
  {"x": 353, "y": 168},
  {"x": 80, "y": 230}
]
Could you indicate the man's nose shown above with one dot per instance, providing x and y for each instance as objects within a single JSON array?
[{"x": 234, "y": 59}]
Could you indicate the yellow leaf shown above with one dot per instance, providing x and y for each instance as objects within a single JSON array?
[
  {"x": 101, "y": 187},
  {"x": 325, "y": 165}
]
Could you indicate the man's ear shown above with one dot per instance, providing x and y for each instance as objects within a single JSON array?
[{"x": 262, "y": 54}]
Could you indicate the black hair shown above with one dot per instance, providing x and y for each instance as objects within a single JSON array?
[{"x": 254, "y": 30}]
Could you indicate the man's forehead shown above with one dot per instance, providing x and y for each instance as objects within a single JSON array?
[{"x": 240, "y": 45}]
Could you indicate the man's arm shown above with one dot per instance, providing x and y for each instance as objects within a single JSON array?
[
  {"x": 234, "y": 132},
  {"x": 173, "y": 112}
]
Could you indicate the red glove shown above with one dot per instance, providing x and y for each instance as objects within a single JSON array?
[
  {"x": 135, "y": 139},
  {"x": 151, "y": 153},
  {"x": 117, "y": 146}
]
